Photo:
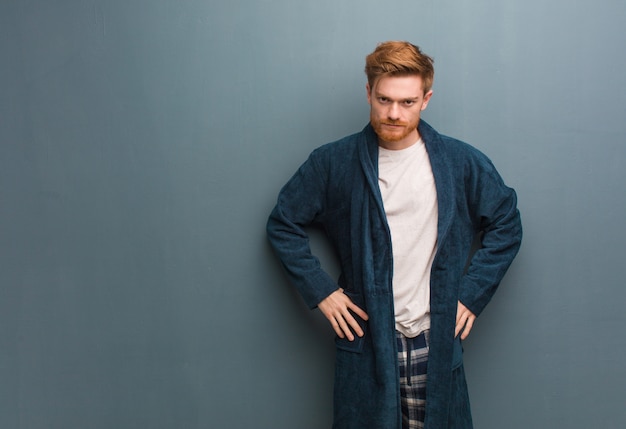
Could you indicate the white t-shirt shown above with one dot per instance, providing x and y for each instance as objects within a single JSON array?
[{"x": 409, "y": 196}]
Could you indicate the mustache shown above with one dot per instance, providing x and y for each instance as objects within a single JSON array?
[{"x": 395, "y": 123}]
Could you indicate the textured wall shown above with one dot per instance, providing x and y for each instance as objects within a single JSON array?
[{"x": 142, "y": 145}]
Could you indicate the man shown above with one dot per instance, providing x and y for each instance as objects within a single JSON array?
[{"x": 402, "y": 206}]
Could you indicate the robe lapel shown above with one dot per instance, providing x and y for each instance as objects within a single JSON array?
[
  {"x": 443, "y": 180},
  {"x": 368, "y": 155}
]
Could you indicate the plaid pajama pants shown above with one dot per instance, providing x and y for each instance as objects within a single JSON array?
[{"x": 413, "y": 361}]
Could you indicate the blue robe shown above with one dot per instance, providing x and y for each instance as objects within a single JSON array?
[{"x": 337, "y": 188}]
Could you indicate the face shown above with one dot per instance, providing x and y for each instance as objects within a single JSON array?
[{"x": 396, "y": 104}]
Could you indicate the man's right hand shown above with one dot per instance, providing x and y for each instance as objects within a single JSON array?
[{"x": 337, "y": 307}]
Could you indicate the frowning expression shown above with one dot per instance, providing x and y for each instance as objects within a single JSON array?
[{"x": 396, "y": 103}]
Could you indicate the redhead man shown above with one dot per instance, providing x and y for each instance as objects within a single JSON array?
[{"x": 402, "y": 205}]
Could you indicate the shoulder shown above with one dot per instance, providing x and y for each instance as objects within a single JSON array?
[
  {"x": 339, "y": 155},
  {"x": 456, "y": 152},
  {"x": 344, "y": 146}
]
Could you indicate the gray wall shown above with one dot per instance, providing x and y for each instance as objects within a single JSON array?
[{"x": 142, "y": 145}]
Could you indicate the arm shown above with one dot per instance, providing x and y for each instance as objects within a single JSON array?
[
  {"x": 300, "y": 203},
  {"x": 494, "y": 209}
]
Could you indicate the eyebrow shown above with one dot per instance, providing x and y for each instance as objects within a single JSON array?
[{"x": 381, "y": 95}]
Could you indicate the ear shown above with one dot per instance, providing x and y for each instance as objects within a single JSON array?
[
  {"x": 426, "y": 99},
  {"x": 369, "y": 93}
]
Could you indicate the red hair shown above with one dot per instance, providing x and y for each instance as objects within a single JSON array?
[{"x": 399, "y": 59}]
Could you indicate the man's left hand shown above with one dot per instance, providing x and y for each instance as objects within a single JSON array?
[{"x": 464, "y": 321}]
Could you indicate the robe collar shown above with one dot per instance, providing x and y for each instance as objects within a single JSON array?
[{"x": 368, "y": 155}]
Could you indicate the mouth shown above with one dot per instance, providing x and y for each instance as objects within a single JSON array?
[{"x": 394, "y": 126}]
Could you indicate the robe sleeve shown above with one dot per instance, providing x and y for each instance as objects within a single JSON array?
[
  {"x": 493, "y": 206},
  {"x": 300, "y": 203}
]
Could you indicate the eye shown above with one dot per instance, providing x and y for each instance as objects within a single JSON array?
[
  {"x": 383, "y": 100},
  {"x": 409, "y": 102}
]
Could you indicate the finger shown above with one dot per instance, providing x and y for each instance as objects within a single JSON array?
[
  {"x": 358, "y": 311},
  {"x": 336, "y": 327},
  {"x": 462, "y": 315},
  {"x": 460, "y": 322},
  {"x": 468, "y": 327},
  {"x": 354, "y": 324},
  {"x": 346, "y": 330},
  {"x": 461, "y": 311}
]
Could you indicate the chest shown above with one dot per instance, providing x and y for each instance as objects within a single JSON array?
[{"x": 406, "y": 183}]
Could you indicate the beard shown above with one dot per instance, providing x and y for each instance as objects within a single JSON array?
[{"x": 388, "y": 135}]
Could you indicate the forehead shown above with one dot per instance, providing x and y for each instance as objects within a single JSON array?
[{"x": 399, "y": 87}]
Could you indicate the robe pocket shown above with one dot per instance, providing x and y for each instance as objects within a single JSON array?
[
  {"x": 457, "y": 353},
  {"x": 356, "y": 345}
]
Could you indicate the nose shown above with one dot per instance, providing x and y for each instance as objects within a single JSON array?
[{"x": 394, "y": 112}]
